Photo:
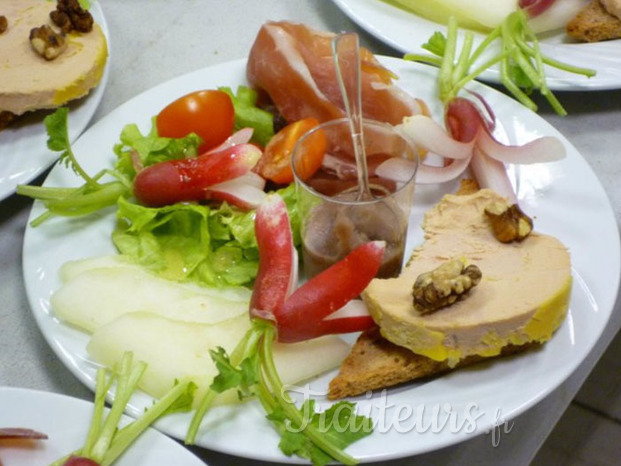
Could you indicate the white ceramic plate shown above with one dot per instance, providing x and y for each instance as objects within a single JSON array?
[
  {"x": 65, "y": 421},
  {"x": 406, "y": 32},
  {"x": 23, "y": 151},
  {"x": 565, "y": 198}
]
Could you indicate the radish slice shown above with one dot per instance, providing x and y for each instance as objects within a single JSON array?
[
  {"x": 253, "y": 179},
  {"x": 344, "y": 169},
  {"x": 425, "y": 133},
  {"x": 276, "y": 261},
  {"x": 535, "y": 7},
  {"x": 396, "y": 169},
  {"x": 543, "y": 149},
  {"x": 239, "y": 137},
  {"x": 20, "y": 433},
  {"x": 492, "y": 174},
  {"x": 428, "y": 174},
  {"x": 295, "y": 272},
  {"x": 237, "y": 192},
  {"x": 354, "y": 308}
]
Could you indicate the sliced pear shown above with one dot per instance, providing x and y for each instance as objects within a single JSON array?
[
  {"x": 177, "y": 350},
  {"x": 95, "y": 296},
  {"x": 71, "y": 269}
]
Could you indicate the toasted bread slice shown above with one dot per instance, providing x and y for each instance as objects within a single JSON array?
[
  {"x": 375, "y": 363},
  {"x": 594, "y": 24}
]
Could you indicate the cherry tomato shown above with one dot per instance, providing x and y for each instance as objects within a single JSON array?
[
  {"x": 275, "y": 164},
  {"x": 209, "y": 114}
]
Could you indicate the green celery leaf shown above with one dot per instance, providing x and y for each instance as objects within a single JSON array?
[
  {"x": 184, "y": 403},
  {"x": 243, "y": 377},
  {"x": 248, "y": 115},
  {"x": 56, "y": 125},
  {"x": 340, "y": 423},
  {"x": 436, "y": 44}
]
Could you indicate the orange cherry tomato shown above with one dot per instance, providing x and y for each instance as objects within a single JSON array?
[
  {"x": 209, "y": 114},
  {"x": 275, "y": 164}
]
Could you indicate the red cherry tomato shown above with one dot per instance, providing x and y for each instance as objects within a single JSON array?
[
  {"x": 275, "y": 164},
  {"x": 209, "y": 114}
]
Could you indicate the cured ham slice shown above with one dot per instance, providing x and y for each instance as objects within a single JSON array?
[{"x": 294, "y": 65}]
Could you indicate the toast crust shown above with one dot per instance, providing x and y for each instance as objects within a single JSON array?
[
  {"x": 593, "y": 24},
  {"x": 375, "y": 363}
]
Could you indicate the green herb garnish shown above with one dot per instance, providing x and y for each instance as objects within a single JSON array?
[
  {"x": 519, "y": 58},
  {"x": 250, "y": 369}
]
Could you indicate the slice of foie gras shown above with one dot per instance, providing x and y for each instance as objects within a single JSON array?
[
  {"x": 28, "y": 81},
  {"x": 523, "y": 296}
]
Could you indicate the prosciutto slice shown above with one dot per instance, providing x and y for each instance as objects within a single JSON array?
[{"x": 294, "y": 65}]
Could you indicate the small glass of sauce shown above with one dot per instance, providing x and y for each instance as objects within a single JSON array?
[{"x": 334, "y": 220}]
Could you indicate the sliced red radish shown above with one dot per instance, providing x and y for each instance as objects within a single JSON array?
[
  {"x": 276, "y": 258},
  {"x": 427, "y": 134},
  {"x": 20, "y": 433},
  {"x": 238, "y": 192},
  {"x": 492, "y": 174},
  {"x": 397, "y": 169},
  {"x": 242, "y": 136}
]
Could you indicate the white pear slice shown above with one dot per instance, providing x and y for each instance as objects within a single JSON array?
[
  {"x": 177, "y": 350},
  {"x": 96, "y": 296}
]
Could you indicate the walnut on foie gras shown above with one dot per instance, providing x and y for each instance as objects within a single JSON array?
[
  {"x": 47, "y": 42},
  {"x": 70, "y": 16},
  {"x": 509, "y": 223},
  {"x": 444, "y": 285}
]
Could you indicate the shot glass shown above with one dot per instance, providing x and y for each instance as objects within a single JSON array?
[{"x": 335, "y": 218}]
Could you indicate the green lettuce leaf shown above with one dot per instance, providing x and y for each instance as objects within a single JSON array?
[
  {"x": 211, "y": 246},
  {"x": 248, "y": 115},
  {"x": 150, "y": 148}
]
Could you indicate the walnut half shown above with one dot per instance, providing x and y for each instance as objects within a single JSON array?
[
  {"x": 47, "y": 42},
  {"x": 70, "y": 16},
  {"x": 508, "y": 223},
  {"x": 444, "y": 285}
]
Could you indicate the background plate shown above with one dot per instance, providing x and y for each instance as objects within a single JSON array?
[
  {"x": 406, "y": 32},
  {"x": 565, "y": 198},
  {"x": 65, "y": 420},
  {"x": 23, "y": 151}
]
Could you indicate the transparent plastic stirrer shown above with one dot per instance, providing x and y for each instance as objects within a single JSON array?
[{"x": 346, "y": 54}]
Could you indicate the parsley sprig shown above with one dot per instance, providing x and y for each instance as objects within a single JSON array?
[
  {"x": 250, "y": 369},
  {"x": 92, "y": 196}
]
